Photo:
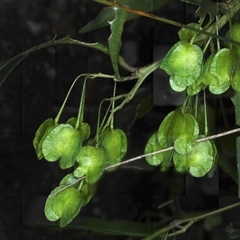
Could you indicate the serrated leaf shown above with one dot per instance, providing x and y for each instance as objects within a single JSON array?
[
  {"x": 107, "y": 14},
  {"x": 207, "y": 7},
  {"x": 114, "y": 41},
  {"x": 102, "y": 19},
  {"x": 7, "y": 66}
]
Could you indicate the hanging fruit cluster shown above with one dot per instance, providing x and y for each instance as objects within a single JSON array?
[
  {"x": 181, "y": 130},
  {"x": 185, "y": 64},
  {"x": 69, "y": 144},
  {"x": 188, "y": 70}
]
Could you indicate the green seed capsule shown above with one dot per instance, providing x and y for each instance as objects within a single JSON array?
[
  {"x": 92, "y": 161},
  {"x": 115, "y": 143}
]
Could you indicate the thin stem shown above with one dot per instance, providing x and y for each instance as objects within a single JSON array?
[
  {"x": 186, "y": 103},
  {"x": 206, "y": 45},
  {"x": 80, "y": 186},
  {"x": 218, "y": 42},
  {"x": 113, "y": 104},
  {"x": 229, "y": 20},
  {"x": 142, "y": 74},
  {"x": 205, "y": 113},
  {"x": 222, "y": 21},
  {"x": 194, "y": 36},
  {"x": 81, "y": 105},
  {"x": 196, "y": 107},
  {"x": 98, "y": 121},
  {"x": 197, "y": 218},
  {"x": 66, "y": 98},
  {"x": 172, "y": 148},
  {"x": 117, "y": 97},
  {"x": 189, "y": 221}
]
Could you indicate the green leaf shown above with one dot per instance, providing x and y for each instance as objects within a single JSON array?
[
  {"x": 205, "y": 7},
  {"x": 62, "y": 142},
  {"x": 180, "y": 129},
  {"x": 114, "y": 41},
  {"x": 152, "y": 146},
  {"x": 7, "y": 66},
  {"x": 102, "y": 19},
  {"x": 107, "y": 14},
  {"x": 63, "y": 203}
]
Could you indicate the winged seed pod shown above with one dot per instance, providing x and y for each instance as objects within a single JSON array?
[
  {"x": 92, "y": 161},
  {"x": 183, "y": 63},
  {"x": 115, "y": 143},
  {"x": 179, "y": 129},
  {"x": 63, "y": 143}
]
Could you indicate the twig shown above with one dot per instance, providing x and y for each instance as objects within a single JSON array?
[
  {"x": 189, "y": 221},
  {"x": 222, "y": 21},
  {"x": 171, "y": 148}
]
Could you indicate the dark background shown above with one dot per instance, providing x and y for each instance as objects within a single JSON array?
[{"x": 35, "y": 90}]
